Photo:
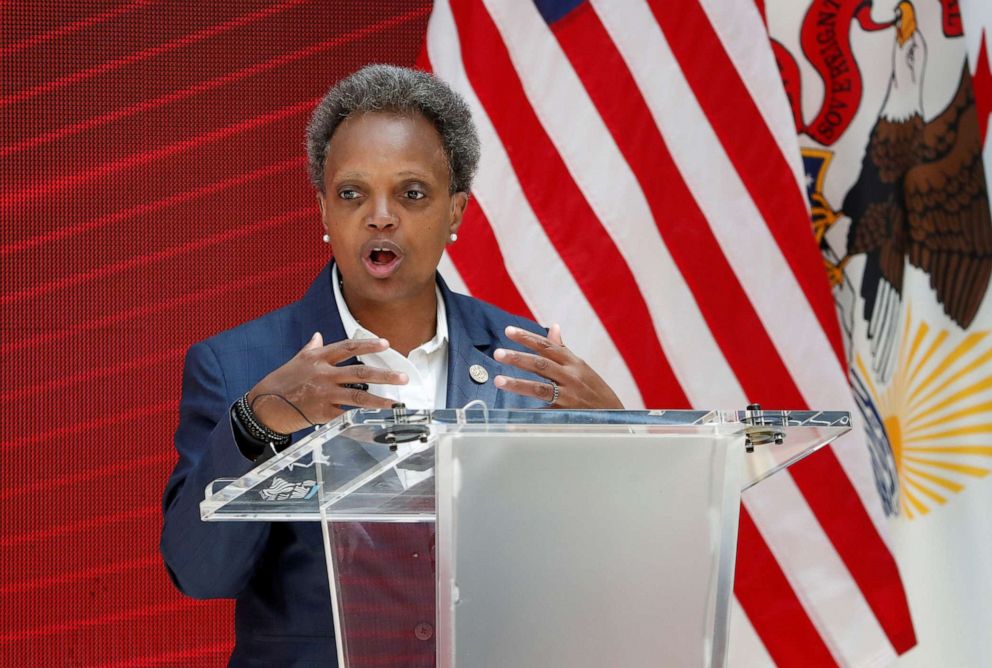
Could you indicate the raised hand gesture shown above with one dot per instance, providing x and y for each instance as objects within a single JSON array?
[
  {"x": 571, "y": 383},
  {"x": 312, "y": 389}
]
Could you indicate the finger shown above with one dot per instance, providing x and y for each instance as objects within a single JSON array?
[
  {"x": 369, "y": 375},
  {"x": 354, "y": 397},
  {"x": 527, "y": 388},
  {"x": 554, "y": 334},
  {"x": 316, "y": 341},
  {"x": 339, "y": 351},
  {"x": 542, "y": 366},
  {"x": 539, "y": 344}
]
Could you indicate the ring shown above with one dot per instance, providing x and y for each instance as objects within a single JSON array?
[
  {"x": 554, "y": 393},
  {"x": 362, "y": 387}
]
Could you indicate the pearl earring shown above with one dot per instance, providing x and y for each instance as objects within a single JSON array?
[
  {"x": 453, "y": 237},
  {"x": 327, "y": 238}
]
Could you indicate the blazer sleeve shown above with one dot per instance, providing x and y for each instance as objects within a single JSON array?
[{"x": 206, "y": 559}]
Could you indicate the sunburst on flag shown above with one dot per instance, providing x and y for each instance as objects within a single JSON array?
[{"x": 937, "y": 413}]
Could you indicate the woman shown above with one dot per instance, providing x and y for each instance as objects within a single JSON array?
[{"x": 392, "y": 154}]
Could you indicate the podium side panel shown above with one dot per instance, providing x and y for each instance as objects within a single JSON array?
[{"x": 586, "y": 550}]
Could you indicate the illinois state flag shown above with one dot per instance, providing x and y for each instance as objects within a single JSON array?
[
  {"x": 641, "y": 184},
  {"x": 891, "y": 106}
]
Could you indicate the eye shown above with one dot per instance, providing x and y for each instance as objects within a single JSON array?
[
  {"x": 414, "y": 194},
  {"x": 348, "y": 193}
]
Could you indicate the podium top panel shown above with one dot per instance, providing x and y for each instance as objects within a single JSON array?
[{"x": 380, "y": 462}]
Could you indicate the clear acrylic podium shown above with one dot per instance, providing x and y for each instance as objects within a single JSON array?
[{"x": 563, "y": 538}]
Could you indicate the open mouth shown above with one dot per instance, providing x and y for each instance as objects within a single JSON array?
[{"x": 381, "y": 257}]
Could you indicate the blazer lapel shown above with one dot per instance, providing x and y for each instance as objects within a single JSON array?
[
  {"x": 468, "y": 345},
  {"x": 319, "y": 311},
  {"x": 461, "y": 387}
]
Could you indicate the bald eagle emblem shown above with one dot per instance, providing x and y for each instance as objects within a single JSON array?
[{"x": 920, "y": 196}]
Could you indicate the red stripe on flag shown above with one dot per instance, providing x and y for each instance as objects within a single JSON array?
[
  {"x": 755, "y": 154},
  {"x": 833, "y": 499},
  {"x": 585, "y": 247},
  {"x": 480, "y": 263},
  {"x": 722, "y": 301},
  {"x": 772, "y": 606}
]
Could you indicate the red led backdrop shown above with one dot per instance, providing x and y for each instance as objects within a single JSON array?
[{"x": 154, "y": 192}]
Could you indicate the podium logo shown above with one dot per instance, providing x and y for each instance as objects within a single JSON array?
[
  {"x": 284, "y": 490},
  {"x": 935, "y": 416}
]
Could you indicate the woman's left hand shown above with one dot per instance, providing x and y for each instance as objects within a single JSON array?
[{"x": 578, "y": 385}]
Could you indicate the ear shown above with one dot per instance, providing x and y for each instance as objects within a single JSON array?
[
  {"x": 323, "y": 211},
  {"x": 458, "y": 203}
]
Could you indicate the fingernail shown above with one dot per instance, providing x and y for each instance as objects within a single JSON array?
[
  {"x": 383, "y": 342},
  {"x": 499, "y": 354},
  {"x": 404, "y": 379},
  {"x": 511, "y": 330},
  {"x": 499, "y": 381}
]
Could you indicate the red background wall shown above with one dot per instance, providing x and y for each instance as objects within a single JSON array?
[{"x": 154, "y": 192}]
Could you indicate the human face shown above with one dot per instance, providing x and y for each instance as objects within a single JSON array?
[{"x": 387, "y": 209}]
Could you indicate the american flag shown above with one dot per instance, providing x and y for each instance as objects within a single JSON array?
[{"x": 641, "y": 185}]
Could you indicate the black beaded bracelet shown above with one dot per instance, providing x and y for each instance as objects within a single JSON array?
[
  {"x": 250, "y": 447},
  {"x": 255, "y": 429}
]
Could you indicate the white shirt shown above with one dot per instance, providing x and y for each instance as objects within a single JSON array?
[{"x": 426, "y": 366}]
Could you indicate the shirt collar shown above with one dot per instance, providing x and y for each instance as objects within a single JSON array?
[{"x": 354, "y": 330}]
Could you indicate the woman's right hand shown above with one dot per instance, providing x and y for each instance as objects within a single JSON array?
[{"x": 314, "y": 384}]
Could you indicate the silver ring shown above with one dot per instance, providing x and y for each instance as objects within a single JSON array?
[{"x": 554, "y": 394}]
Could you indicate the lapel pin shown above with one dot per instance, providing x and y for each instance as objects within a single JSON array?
[{"x": 478, "y": 373}]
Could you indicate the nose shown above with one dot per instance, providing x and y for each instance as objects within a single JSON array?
[{"x": 380, "y": 215}]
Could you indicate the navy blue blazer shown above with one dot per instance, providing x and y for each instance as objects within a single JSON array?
[{"x": 276, "y": 571}]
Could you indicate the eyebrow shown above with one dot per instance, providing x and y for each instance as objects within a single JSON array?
[
  {"x": 350, "y": 175},
  {"x": 362, "y": 175}
]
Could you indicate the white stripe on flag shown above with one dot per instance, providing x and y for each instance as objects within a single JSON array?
[
  {"x": 599, "y": 169},
  {"x": 531, "y": 259},
  {"x": 745, "y": 649}
]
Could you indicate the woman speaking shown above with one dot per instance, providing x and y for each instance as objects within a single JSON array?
[{"x": 391, "y": 154}]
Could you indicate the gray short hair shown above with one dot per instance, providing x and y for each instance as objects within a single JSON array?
[{"x": 400, "y": 90}]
